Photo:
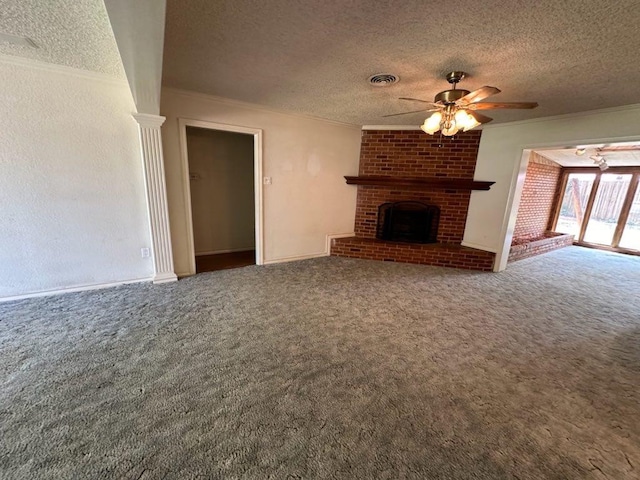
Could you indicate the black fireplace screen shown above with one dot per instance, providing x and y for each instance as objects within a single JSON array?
[{"x": 412, "y": 222}]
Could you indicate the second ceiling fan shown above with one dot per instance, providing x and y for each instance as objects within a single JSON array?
[{"x": 457, "y": 109}]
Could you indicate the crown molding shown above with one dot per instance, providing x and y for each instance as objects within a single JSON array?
[
  {"x": 63, "y": 69},
  {"x": 253, "y": 106},
  {"x": 390, "y": 127},
  {"x": 566, "y": 116}
]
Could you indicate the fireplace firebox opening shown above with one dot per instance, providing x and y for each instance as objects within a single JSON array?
[{"x": 411, "y": 222}]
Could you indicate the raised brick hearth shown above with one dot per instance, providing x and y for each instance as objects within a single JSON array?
[
  {"x": 439, "y": 254},
  {"x": 414, "y": 154}
]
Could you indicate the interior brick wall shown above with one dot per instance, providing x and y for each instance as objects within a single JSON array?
[
  {"x": 538, "y": 197},
  {"x": 408, "y": 153},
  {"x": 530, "y": 249},
  {"x": 441, "y": 255}
]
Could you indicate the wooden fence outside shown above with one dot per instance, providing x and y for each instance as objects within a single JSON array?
[{"x": 607, "y": 204}]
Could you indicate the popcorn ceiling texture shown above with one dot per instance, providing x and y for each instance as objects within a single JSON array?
[
  {"x": 314, "y": 57},
  {"x": 73, "y": 33}
]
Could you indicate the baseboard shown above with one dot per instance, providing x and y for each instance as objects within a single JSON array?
[
  {"x": 231, "y": 250},
  {"x": 295, "y": 258},
  {"x": 79, "y": 288},
  {"x": 165, "y": 278},
  {"x": 479, "y": 247},
  {"x": 333, "y": 236}
]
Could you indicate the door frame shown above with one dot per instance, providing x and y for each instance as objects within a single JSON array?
[{"x": 183, "y": 123}]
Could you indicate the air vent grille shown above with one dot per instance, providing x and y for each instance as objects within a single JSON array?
[{"x": 383, "y": 79}]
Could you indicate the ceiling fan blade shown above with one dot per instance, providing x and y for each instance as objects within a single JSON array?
[
  {"x": 494, "y": 105},
  {"x": 414, "y": 100},
  {"x": 477, "y": 95},
  {"x": 480, "y": 117},
  {"x": 433, "y": 104},
  {"x": 407, "y": 113}
]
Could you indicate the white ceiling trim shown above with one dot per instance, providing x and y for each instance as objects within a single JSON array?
[
  {"x": 55, "y": 68},
  {"x": 390, "y": 127},
  {"x": 253, "y": 106},
  {"x": 565, "y": 116}
]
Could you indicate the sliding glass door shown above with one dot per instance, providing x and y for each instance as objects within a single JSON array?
[
  {"x": 601, "y": 209},
  {"x": 574, "y": 202},
  {"x": 631, "y": 234},
  {"x": 606, "y": 208}
]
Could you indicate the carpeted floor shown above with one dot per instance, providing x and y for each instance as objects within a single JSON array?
[{"x": 331, "y": 368}]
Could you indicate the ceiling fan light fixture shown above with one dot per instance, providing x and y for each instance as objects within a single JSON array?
[
  {"x": 432, "y": 124},
  {"x": 450, "y": 128},
  {"x": 466, "y": 120}
]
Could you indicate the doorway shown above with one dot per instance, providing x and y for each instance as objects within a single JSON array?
[{"x": 223, "y": 203}]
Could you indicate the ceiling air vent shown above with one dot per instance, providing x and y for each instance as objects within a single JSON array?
[{"x": 383, "y": 79}]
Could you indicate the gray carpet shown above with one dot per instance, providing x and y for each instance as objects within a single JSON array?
[{"x": 331, "y": 368}]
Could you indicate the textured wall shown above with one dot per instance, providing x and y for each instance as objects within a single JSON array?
[
  {"x": 538, "y": 197},
  {"x": 306, "y": 158},
  {"x": 72, "y": 190},
  {"x": 222, "y": 199},
  {"x": 406, "y": 153},
  {"x": 492, "y": 214}
]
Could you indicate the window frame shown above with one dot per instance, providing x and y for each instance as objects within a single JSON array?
[{"x": 624, "y": 213}]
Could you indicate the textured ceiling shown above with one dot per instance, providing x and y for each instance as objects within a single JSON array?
[
  {"x": 629, "y": 156},
  {"x": 74, "y": 33},
  {"x": 314, "y": 56}
]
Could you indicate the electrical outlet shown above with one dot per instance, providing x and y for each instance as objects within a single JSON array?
[
  {"x": 266, "y": 180},
  {"x": 145, "y": 252}
]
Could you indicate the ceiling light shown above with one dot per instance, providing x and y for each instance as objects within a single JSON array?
[
  {"x": 432, "y": 124},
  {"x": 472, "y": 121},
  {"x": 580, "y": 151},
  {"x": 450, "y": 121},
  {"x": 600, "y": 161}
]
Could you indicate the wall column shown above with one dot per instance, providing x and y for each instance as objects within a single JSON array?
[{"x": 151, "y": 143}]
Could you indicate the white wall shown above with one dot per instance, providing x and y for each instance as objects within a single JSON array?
[
  {"x": 222, "y": 197},
  {"x": 502, "y": 157},
  {"x": 305, "y": 157},
  {"x": 72, "y": 201}
]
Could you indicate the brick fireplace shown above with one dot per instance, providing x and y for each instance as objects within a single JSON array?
[{"x": 411, "y": 166}]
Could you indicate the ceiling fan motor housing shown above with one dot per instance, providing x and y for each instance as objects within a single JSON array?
[{"x": 450, "y": 96}]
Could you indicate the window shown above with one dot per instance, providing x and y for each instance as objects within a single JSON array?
[
  {"x": 631, "y": 234},
  {"x": 601, "y": 209},
  {"x": 574, "y": 203},
  {"x": 605, "y": 212}
]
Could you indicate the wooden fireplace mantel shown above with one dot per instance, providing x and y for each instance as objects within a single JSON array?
[{"x": 422, "y": 183}]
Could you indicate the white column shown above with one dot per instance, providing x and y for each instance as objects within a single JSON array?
[{"x": 151, "y": 142}]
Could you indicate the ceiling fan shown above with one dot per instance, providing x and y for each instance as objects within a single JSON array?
[{"x": 457, "y": 109}]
